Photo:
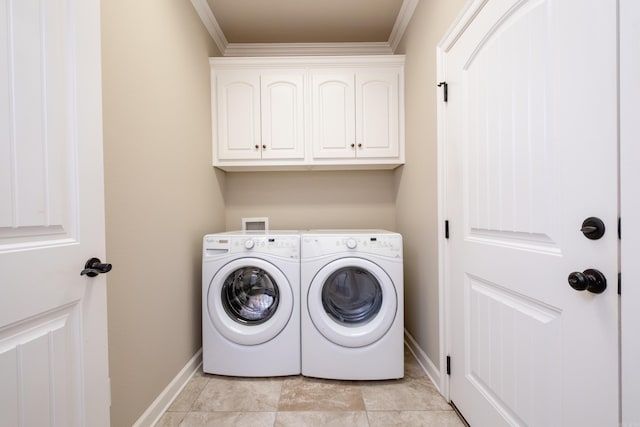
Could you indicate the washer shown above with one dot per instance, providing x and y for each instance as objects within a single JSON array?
[
  {"x": 251, "y": 304},
  {"x": 352, "y": 316}
]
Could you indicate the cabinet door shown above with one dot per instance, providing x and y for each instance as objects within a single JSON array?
[
  {"x": 377, "y": 114},
  {"x": 333, "y": 107},
  {"x": 238, "y": 114},
  {"x": 282, "y": 95}
]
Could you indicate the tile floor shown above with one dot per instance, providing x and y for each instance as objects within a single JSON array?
[{"x": 212, "y": 400}]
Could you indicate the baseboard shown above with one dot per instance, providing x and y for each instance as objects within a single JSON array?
[
  {"x": 423, "y": 360},
  {"x": 153, "y": 413}
]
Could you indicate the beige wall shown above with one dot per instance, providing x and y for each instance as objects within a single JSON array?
[
  {"x": 417, "y": 202},
  {"x": 162, "y": 194},
  {"x": 305, "y": 200}
]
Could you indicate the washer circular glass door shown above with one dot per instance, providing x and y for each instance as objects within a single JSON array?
[
  {"x": 352, "y": 302},
  {"x": 249, "y": 301}
]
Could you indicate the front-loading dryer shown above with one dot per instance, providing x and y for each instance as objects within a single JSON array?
[
  {"x": 251, "y": 303},
  {"x": 352, "y": 316}
]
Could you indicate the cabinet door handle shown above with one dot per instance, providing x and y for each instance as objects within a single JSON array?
[
  {"x": 359, "y": 145},
  {"x": 264, "y": 147},
  {"x": 353, "y": 145},
  {"x": 257, "y": 146}
]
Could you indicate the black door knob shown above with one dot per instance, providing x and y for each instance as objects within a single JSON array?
[
  {"x": 592, "y": 228},
  {"x": 94, "y": 266},
  {"x": 590, "y": 280}
]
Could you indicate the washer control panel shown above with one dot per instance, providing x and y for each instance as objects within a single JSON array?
[
  {"x": 389, "y": 245},
  {"x": 283, "y": 246}
]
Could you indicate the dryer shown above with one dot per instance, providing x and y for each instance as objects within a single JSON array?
[
  {"x": 352, "y": 311},
  {"x": 251, "y": 304}
]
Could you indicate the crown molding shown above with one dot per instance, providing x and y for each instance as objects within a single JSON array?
[
  {"x": 211, "y": 24},
  {"x": 402, "y": 22},
  {"x": 293, "y": 49},
  {"x": 304, "y": 49}
]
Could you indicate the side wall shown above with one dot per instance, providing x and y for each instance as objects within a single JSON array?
[
  {"x": 162, "y": 194},
  {"x": 417, "y": 180}
]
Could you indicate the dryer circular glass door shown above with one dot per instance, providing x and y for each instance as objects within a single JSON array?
[
  {"x": 352, "y": 302},
  {"x": 250, "y": 301}
]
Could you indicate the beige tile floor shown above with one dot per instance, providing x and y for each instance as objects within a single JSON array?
[{"x": 211, "y": 400}]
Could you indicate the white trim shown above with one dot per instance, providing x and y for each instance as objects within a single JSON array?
[
  {"x": 292, "y": 49},
  {"x": 211, "y": 24},
  {"x": 462, "y": 21},
  {"x": 443, "y": 259},
  {"x": 425, "y": 363},
  {"x": 629, "y": 93},
  {"x": 471, "y": 8},
  {"x": 402, "y": 22},
  {"x": 152, "y": 415},
  {"x": 308, "y": 61}
]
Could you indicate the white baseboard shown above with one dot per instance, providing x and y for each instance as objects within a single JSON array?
[
  {"x": 427, "y": 365},
  {"x": 153, "y": 413}
]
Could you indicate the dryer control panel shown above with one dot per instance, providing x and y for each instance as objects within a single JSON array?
[
  {"x": 389, "y": 245},
  {"x": 283, "y": 246}
]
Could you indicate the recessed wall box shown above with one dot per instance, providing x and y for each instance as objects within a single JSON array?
[{"x": 255, "y": 224}]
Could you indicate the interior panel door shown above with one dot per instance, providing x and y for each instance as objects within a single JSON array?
[
  {"x": 531, "y": 149},
  {"x": 53, "y": 321}
]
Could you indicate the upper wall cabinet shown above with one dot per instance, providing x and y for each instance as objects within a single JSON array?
[
  {"x": 297, "y": 113},
  {"x": 355, "y": 114},
  {"x": 260, "y": 115}
]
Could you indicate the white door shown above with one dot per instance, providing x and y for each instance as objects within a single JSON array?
[
  {"x": 282, "y": 113},
  {"x": 531, "y": 152},
  {"x": 377, "y": 114},
  {"x": 53, "y": 321},
  {"x": 333, "y": 115},
  {"x": 238, "y": 114}
]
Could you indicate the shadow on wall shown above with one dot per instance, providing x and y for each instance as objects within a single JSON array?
[{"x": 312, "y": 199}]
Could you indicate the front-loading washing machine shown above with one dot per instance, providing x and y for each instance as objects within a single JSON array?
[
  {"x": 251, "y": 303},
  {"x": 352, "y": 311}
]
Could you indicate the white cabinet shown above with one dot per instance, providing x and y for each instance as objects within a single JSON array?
[
  {"x": 297, "y": 113},
  {"x": 333, "y": 103},
  {"x": 355, "y": 114},
  {"x": 259, "y": 115},
  {"x": 238, "y": 115},
  {"x": 282, "y": 115}
]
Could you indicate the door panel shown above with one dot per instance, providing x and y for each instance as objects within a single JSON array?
[
  {"x": 283, "y": 115},
  {"x": 333, "y": 106},
  {"x": 531, "y": 148},
  {"x": 53, "y": 336},
  {"x": 377, "y": 116},
  {"x": 238, "y": 114}
]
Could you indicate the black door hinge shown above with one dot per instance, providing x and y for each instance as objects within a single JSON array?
[
  {"x": 446, "y": 229},
  {"x": 446, "y": 90},
  {"x": 448, "y": 365},
  {"x": 619, "y": 283}
]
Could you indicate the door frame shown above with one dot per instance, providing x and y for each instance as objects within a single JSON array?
[
  {"x": 629, "y": 93},
  {"x": 629, "y": 69},
  {"x": 468, "y": 12}
]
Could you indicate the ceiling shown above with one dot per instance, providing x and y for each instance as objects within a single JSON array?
[
  {"x": 305, "y": 21},
  {"x": 234, "y": 23}
]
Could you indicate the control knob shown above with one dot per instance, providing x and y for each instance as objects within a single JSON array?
[
  {"x": 351, "y": 243},
  {"x": 249, "y": 244}
]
